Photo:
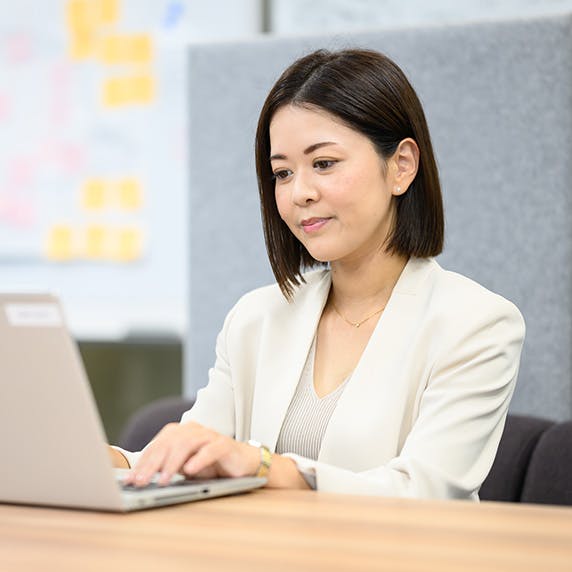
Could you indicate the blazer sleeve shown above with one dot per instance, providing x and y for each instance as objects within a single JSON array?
[
  {"x": 453, "y": 442},
  {"x": 214, "y": 406}
]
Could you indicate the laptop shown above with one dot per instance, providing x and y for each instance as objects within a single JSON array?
[{"x": 52, "y": 445}]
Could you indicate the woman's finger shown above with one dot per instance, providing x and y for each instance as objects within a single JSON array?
[
  {"x": 153, "y": 456},
  {"x": 186, "y": 446},
  {"x": 208, "y": 473},
  {"x": 228, "y": 457},
  {"x": 205, "y": 457},
  {"x": 152, "y": 459}
]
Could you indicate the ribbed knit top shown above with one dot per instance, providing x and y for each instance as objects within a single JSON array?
[{"x": 308, "y": 415}]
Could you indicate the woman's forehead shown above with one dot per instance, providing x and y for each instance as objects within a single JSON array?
[
  {"x": 304, "y": 112},
  {"x": 304, "y": 125},
  {"x": 296, "y": 128}
]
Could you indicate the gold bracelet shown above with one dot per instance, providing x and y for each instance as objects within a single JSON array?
[{"x": 265, "y": 458}]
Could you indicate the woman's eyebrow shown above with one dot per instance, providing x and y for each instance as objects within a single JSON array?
[
  {"x": 315, "y": 146},
  {"x": 307, "y": 151}
]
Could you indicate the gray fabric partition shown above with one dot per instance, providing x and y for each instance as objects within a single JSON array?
[{"x": 498, "y": 98}]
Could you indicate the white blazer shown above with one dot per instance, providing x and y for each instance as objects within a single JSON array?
[{"x": 423, "y": 412}]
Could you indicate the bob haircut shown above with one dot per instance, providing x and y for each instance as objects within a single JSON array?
[{"x": 369, "y": 93}]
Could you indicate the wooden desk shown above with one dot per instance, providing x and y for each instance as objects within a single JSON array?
[{"x": 292, "y": 530}]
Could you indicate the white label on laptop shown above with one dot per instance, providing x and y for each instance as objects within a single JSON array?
[{"x": 34, "y": 315}]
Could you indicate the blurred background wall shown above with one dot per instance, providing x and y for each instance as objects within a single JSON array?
[{"x": 330, "y": 16}]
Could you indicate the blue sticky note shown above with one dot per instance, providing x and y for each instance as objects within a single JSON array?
[{"x": 173, "y": 14}]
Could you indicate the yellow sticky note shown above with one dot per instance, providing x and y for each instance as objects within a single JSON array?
[
  {"x": 78, "y": 13},
  {"x": 129, "y": 194},
  {"x": 95, "y": 241},
  {"x": 125, "y": 49},
  {"x": 140, "y": 48},
  {"x": 128, "y": 90},
  {"x": 81, "y": 29},
  {"x": 108, "y": 11},
  {"x": 60, "y": 243},
  {"x": 142, "y": 89},
  {"x": 110, "y": 49},
  {"x": 82, "y": 44},
  {"x": 93, "y": 194},
  {"x": 129, "y": 244},
  {"x": 116, "y": 92}
]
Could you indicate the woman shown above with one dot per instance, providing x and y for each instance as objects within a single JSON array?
[{"x": 380, "y": 372}]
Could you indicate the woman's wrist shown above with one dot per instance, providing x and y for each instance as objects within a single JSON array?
[
  {"x": 280, "y": 472},
  {"x": 284, "y": 474},
  {"x": 118, "y": 460},
  {"x": 264, "y": 457}
]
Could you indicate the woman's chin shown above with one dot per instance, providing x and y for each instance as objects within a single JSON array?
[
  {"x": 324, "y": 252},
  {"x": 325, "y": 257},
  {"x": 321, "y": 259}
]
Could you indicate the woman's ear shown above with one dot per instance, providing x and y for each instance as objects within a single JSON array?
[{"x": 405, "y": 165}]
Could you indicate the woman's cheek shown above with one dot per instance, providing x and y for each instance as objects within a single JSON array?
[{"x": 283, "y": 210}]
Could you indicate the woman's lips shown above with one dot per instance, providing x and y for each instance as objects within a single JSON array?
[{"x": 313, "y": 224}]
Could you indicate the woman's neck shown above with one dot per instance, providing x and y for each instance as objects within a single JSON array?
[{"x": 360, "y": 286}]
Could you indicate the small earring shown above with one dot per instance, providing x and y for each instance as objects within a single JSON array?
[{"x": 397, "y": 190}]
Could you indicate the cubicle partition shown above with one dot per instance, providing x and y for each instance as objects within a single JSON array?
[{"x": 498, "y": 98}]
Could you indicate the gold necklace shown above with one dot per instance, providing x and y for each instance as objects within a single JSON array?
[{"x": 358, "y": 324}]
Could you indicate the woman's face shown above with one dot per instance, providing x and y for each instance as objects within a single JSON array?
[{"x": 331, "y": 187}]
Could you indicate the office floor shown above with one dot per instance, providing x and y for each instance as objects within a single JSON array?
[{"x": 126, "y": 376}]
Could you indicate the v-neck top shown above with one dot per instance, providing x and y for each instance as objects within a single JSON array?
[{"x": 308, "y": 415}]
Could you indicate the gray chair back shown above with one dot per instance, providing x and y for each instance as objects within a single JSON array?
[
  {"x": 145, "y": 423},
  {"x": 519, "y": 439},
  {"x": 549, "y": 476}
]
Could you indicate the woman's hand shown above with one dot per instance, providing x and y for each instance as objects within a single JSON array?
[{"x": 195, "y": 451}]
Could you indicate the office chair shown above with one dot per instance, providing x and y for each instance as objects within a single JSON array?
[
  {"x": 145, "y": 423},
  {"x": 519, "y": 439},
  {"x": 549, "y": 476}
]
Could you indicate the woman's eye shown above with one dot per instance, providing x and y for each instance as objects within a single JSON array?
[
  {"x": 281, "y": 174},
  {"x": 323, "y": 164}
]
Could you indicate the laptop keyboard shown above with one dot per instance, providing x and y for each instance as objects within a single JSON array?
[
  {"x": 120, "y": 475},
  {"x": 152, "y": 486},
  {"x": 178, "y": 481}
]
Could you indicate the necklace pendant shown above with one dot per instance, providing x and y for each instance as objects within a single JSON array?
[{"x": 358, "y": 324}]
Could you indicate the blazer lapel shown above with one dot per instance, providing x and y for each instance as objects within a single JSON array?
[
  {"x": 371, "y": 401},
  {"x": 287, "y": 336}
]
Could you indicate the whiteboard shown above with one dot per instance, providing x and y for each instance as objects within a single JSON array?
[{"x": 93, "y": 158}]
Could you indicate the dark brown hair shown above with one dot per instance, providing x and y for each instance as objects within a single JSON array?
[{"x": 371, "y": 95}]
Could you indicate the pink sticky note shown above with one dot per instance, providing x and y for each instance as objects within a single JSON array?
[
  {"x": 47, "y": 150},
  {"x": 19, "y": 48},
  {"x": 71, "y": 157},
  {"x": 60, "y": 105},
  {"x": 21, "y": 171},
  {"x": 59, "y": 112},
  {"x": 19, "y": 211},
  {"x": 60, "y": 74},
  {"x": 4, "y": 107}
]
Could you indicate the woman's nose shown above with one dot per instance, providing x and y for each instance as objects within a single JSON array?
[{"x": 303, "y": 190}]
